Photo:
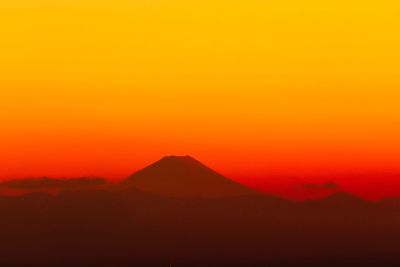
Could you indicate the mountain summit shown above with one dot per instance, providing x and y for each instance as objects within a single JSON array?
[{"x": 184, "y": 176}]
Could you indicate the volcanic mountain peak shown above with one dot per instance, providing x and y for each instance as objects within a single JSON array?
[
  {"x": 179, "y": 164},
  {"x": 185, "y": 176},
  {"x": 181, "y": 160}
]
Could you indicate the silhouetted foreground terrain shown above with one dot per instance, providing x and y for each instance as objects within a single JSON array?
[{"x": 128, "y": 227}]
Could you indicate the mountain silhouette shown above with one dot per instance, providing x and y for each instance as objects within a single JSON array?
[
  {"x": 184, "y": 176},
  {"x": 219, "y": 223},
  {"x": 342, "y": 199},
  {"x": 46, "y": 182}
]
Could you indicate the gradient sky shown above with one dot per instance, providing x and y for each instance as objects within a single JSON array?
[{"x": 266, "y": 92}]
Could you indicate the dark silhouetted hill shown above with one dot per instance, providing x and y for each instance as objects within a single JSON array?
[
  {"x": 143, "y": 223},
  {"x": 58, "y": 183},
  {"x": 134, "y": 228},
  {"x": 51, "y": 185}
]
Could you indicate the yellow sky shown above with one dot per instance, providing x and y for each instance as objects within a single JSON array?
[{"x": 299, "y": 79}]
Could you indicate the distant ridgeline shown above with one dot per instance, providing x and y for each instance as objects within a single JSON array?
[
  {"x": 45, "y": 182},
  {"x": 151, "y": 220}
]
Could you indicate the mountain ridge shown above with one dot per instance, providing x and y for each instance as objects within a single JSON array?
[{"x": 185, "y": 176}]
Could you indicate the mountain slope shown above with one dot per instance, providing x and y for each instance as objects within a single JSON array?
[{"x": 184, "y": 176}]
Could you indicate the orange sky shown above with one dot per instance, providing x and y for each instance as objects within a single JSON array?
[{"x": 252, "y": 88}]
